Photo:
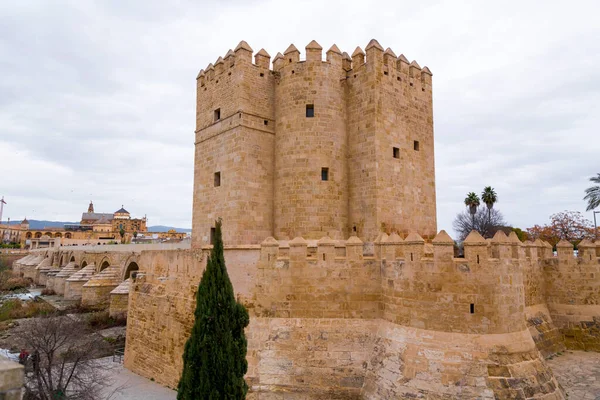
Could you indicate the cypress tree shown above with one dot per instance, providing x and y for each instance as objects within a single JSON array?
[{"x": 214, "y": 359}]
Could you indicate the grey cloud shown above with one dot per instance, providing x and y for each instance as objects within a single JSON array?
[{"x": 97, "y": 98}]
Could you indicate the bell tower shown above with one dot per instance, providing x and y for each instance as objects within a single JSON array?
[{"x": 91, "y": 207}]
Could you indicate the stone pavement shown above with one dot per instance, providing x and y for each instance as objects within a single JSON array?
[
  {"x": 579, "y": 374},
  {"x": 130, "y": 386}
]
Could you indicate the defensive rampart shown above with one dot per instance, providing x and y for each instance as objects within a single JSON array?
[{"x": 398, "y": 317}]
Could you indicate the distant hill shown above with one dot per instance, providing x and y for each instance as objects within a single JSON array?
[
  {"x": 162, "y": 228},
  {"x": 40, "y": 225}
]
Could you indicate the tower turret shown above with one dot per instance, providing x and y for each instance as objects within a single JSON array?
[{"x": 311, "y": 188}]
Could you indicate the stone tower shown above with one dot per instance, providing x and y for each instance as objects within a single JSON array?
[
  {"x": 91, "y": 207},
  {"x": 313, "y": 148}
]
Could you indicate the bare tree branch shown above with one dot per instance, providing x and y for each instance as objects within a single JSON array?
[{"x": 486, "y": 221}]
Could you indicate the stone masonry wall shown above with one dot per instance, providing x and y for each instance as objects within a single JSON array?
[
  {"x": 371, "y": 129},
  {"x": 327, "y": 323},
  {"x": 238, "y": 144},
  {"x": 11, "y": 380},
  {"x": 305, "y": 204},
  {"x": 573, "y": 294}
]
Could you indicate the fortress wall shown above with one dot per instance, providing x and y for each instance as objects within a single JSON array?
[
  {"x": 405, "y": 185},
  {"x": 362, "y": 108},
  {"x": 315, "y": 320},
  {"x": 306, "y": 205},
  {"x": 243, "y": 156},
  {"x": 389, "y": 105},
  {"x": 308, "y": 358},
  {"x": 544, "y": 332},
  {"x": 162, "y": 304},
  {"x": 417, "y": 363},
  {"x": 315, "y": 282},
  {"x": 573, "y": 293},
  {"x": 238, "y": 145},
  {"x": 439, "y": 295}
]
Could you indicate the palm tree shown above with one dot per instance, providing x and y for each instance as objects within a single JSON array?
[
  {"x": 592, "y": 194},
  {"x": 489, "y": 197},
  {"x": 472, "y": 201}
]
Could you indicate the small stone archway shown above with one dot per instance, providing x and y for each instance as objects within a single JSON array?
[
  {"x": 72, "y": 259},
  {"x": 60, "y": 263},
  {"x": 84, "y": 264},
  {"x": 29, "y": 235},
  {"x": 38, "y": 235},
  {"x": 105, "y": 264},
  {"x": 58, "y": 235},
  {"x": 68, "y": 235},
  {"x": 131, "y": 267}
]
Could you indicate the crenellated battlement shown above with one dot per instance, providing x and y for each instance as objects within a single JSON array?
[
  {"x": 374, "y": 59},
  {"x": 413, "y": 248}
]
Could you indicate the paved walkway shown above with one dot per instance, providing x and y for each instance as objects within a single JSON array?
[
  {"x": 579, "y": 374},
  {"x": 130, "y": 386}
]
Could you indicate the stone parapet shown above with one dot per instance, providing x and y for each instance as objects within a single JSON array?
[
  {"x": 346, "y": 319},
  {"x": 11, "y": 380}
]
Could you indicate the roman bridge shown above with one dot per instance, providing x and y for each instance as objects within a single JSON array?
[{"x": 98, "y": 276}]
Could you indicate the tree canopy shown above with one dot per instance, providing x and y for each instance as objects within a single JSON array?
[
  {"x": 214, "y": 359},
  {"x": 571, "y": 226},
  {"x": 592, "y": 194},
  {"x": 485, "y": 221}
]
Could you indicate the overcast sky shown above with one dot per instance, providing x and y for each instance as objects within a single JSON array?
[{"x": 97, "y": 98}]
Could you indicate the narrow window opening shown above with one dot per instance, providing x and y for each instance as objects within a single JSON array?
[
  {"x": 310, "y": 110},
  {"x": 323, "y": 256},
  {"x": 324, "y": 174},
  {"x": 266, "y": 122},
  {"x": 422, "y": 89},
  {"x": 354, "y": 228},
  {"x": 416, "y": 145},
  {"x": 355, "y": 75},
  {"x": 217, "y": 81},
  {"x": 217, "y": 179},
  {"x": 217, "y": 114},
  {"x": 213, "y": 233},
  {"x": 398, "y": 79},
  {"x": 290, "y": 60},
  {"x": 472, "y": 308},
  {"x": 396, "y": 152},
  {"x": 411, "y": 84},
  {"x": 385, "y": 72},
  {"x": 293, "y": 72},
  {"x": 262, "y": 74},
  {"x": 411, "y": 257},
  {"x": 229, "y": 73},
  {"x": 477, "y": 258}
]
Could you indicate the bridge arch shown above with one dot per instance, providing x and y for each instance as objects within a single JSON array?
[{"x": 105, "y": 263}]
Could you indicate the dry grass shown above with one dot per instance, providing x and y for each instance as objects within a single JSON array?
[
  {"x": 102, "y": 320},
  {"x": 17, "y": 309},
  {"x": 11, "y": 282}
]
